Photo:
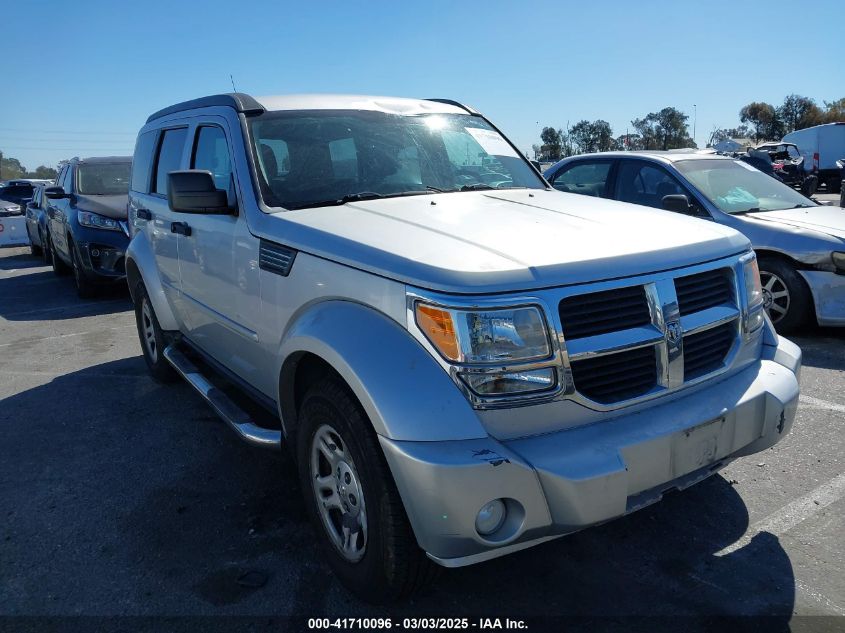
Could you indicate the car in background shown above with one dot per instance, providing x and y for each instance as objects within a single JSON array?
[
  {"x": 786, "y": 160},
  {"x": 821, "y": 146},
  {"x": 36, "y": 222},
  {"x": 16, "y": 191},
  {"x": 86, "y": 221},
  {"x": 800, "y": 244}
]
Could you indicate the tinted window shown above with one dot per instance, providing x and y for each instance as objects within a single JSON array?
[
  {"x": 585, "y": 178},
  {"x": 142, "y": 163},
  {"x": 645, "y": 184},
  {"x": 67, "y": 181},
  {"x": 169, "y": 157},
  {"x": 211, "y": 153}
]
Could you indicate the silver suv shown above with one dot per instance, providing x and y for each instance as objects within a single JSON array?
[{"x": 463, "y": 361}]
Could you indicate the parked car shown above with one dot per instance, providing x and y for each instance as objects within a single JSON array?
[
  {"x": 36, "y": 222},
  {"x": 464, "y": 362},
  {"x": 800, "y": 244},
  {"x": 16, "y": 191},
  {"x": 786, "y": 162},
  {"x": 821, "y": 146},
  {"x": 86, "y": 221}
]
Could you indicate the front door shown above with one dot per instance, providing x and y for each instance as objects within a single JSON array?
[{"x": 218, "y": 261}]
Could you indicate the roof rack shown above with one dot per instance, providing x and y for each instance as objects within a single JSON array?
[
  {"x": 239, "y": 101},
  {"x": 452, "y": 102}
]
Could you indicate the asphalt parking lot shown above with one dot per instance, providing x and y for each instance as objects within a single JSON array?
[{"x": 120, "y": 496}]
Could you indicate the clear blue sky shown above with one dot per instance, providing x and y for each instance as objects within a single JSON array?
[{"x": 87, "y": 73}]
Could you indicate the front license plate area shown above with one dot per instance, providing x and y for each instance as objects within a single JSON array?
[{"x": 700, "y": 446}]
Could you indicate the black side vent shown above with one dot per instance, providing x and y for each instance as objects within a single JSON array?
[
  {"x": 602, "y": 312},
  {"x": 704, "y": 290},
  {"x": 275, "y": 258}
]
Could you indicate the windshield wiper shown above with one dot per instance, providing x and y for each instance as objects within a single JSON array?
[
  {"x": 751, "y": 210},
  {"x": 356, "y": 197},
  {"x": 476, "y": 186}
]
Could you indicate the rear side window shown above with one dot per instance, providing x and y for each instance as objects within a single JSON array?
[
  {"x": 142, "y": 163},
  {"x": 211, "y": 153},
  {"x": 67, "y": 179},
  {"x": 169, "y": 157},
  {"x": 589, "y": 179}
]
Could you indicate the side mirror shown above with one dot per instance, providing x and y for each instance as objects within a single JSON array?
[
  {"x": 193, "y": 191},
  {"x": 677, "y": 202},
  {"x": 55, "y": 193}
]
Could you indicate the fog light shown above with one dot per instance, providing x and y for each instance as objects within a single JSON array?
[
  {"x": 95, "y": 252},
  {"x": 490, "y": 517}
]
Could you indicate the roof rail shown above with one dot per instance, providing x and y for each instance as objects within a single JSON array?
[
  {"x": 452, "y": 102},
  {"x": 239, "y": 101}
]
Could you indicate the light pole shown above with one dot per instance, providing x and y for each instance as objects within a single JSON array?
[{"x": 694, "y": 121}]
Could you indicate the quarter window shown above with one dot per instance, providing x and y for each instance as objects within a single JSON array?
[
  {"x": 589, "y": 179},
  {"x": 169, "y": 157},
  {"x": 211, "y": 153}
]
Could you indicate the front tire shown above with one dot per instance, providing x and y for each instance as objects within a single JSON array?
[
  {"x": 152, "y": 337},
  {"x": 352, "y": 500},
  {"x": 785, "y": 295},
  {"x": 84, "y": 288},
  {"x": 60, "y": 269}
]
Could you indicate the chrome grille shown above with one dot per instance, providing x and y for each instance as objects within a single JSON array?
[
  {"x": 704, "y": 290},
  {"x": 705, "y": 351},
  {"x": 602, "y": 312},
  {"x": 616, "y": 377}
]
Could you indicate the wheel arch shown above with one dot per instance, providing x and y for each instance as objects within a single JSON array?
[
  {"x": 140, "y": 267},
  {"x": 797, "y": 266},
  {"x": 404, "y": 392}
]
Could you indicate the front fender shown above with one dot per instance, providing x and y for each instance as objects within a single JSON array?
[
  {"x": 141, "y": 266},
  {"x": 405, "y": 393}
]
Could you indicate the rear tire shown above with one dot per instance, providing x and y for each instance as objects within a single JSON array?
[
  {"x": 786, "y": 297},
  {"x": 350, "y": 496},
  {"x": 153, "y": 338},
  {"x": 34, "y": 250},
  {"x": 834, "y": 185},
  {"x": 46, "y": 256}
]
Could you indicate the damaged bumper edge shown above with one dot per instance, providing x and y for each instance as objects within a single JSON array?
[
  {"x": 828, "y": 290},
  {"x": 561, "y": 482}
]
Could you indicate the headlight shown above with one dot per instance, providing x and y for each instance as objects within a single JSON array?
[
  {"x": 485, "y": 336},
  {"x": 754, "y": 295},
  {"x": 485, "y": 342},
  {"x": 96, "y": 221},
  {"x": 839, "y": 262}
]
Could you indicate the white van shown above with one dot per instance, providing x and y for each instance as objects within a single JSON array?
[{"x": 821, "y": 146}]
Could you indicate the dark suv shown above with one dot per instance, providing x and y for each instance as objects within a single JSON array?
[{"x": 86, "y": 221}]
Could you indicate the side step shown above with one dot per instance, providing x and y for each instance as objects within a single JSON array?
[{"x": 231, "y": 413}]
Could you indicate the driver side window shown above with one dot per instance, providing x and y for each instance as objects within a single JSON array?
[{"x": 646, "y": 184}]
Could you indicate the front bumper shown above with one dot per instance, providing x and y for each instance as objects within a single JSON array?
[
  {"x": 561, "y": 482},
  {"x": 828, "y": 290},
  {"x": 102, "y": 253}
]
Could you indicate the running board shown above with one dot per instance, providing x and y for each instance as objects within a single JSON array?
[{"x": 231, "y": 413}]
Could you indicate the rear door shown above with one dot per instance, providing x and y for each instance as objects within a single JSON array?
[{"x": 149, "y": 207}]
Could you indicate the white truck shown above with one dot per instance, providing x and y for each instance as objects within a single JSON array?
[{"x": 821, "y": 146}]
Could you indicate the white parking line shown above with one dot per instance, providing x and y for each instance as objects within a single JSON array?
[
  {"x": 817, "y": 403},
  {"x": 780, "y": 522}
]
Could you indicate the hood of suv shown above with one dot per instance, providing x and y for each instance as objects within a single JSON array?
[
  {"x": 504, "y": 240},
  {"x": 824, "y": 219},
  {"x": 110, "y": 206}
]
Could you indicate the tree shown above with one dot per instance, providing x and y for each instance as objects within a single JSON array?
[
  {"x": 551, "y": 142},
  {"x": 763, "y": 117},
  {"x": 588, "y": 137},
  {"x": 664, "y": 130},
  {"x": 11, "y": 168},
  {"x": 629, "y": 142},
  {"x": 799, "y": 112},
  {"x": 722, "y": 134},
  {"x": 43, "y": 172},
  {"x": 834, "y": 111}
]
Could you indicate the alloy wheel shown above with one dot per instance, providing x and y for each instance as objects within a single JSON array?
[
  {"x": 776, "y": 299},
  {"x": 338, "y": 493},
  {"x": 149, "y": 331}
]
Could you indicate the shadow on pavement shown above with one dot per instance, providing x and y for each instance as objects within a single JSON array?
[{"x": 133, "y": 498}]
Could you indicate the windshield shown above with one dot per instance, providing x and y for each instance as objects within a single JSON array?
[
  {"x": 736, "y": 187},
  {"x": 310, "y": 158},
  {"x": 103, "y": 179}
]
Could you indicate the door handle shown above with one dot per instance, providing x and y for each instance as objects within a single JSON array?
[
  {"x": 144, "y": 214},
  {"x": 182, "y": 228}
]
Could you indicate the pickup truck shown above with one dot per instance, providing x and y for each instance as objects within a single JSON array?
[{"x": 463, "y": 361}]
